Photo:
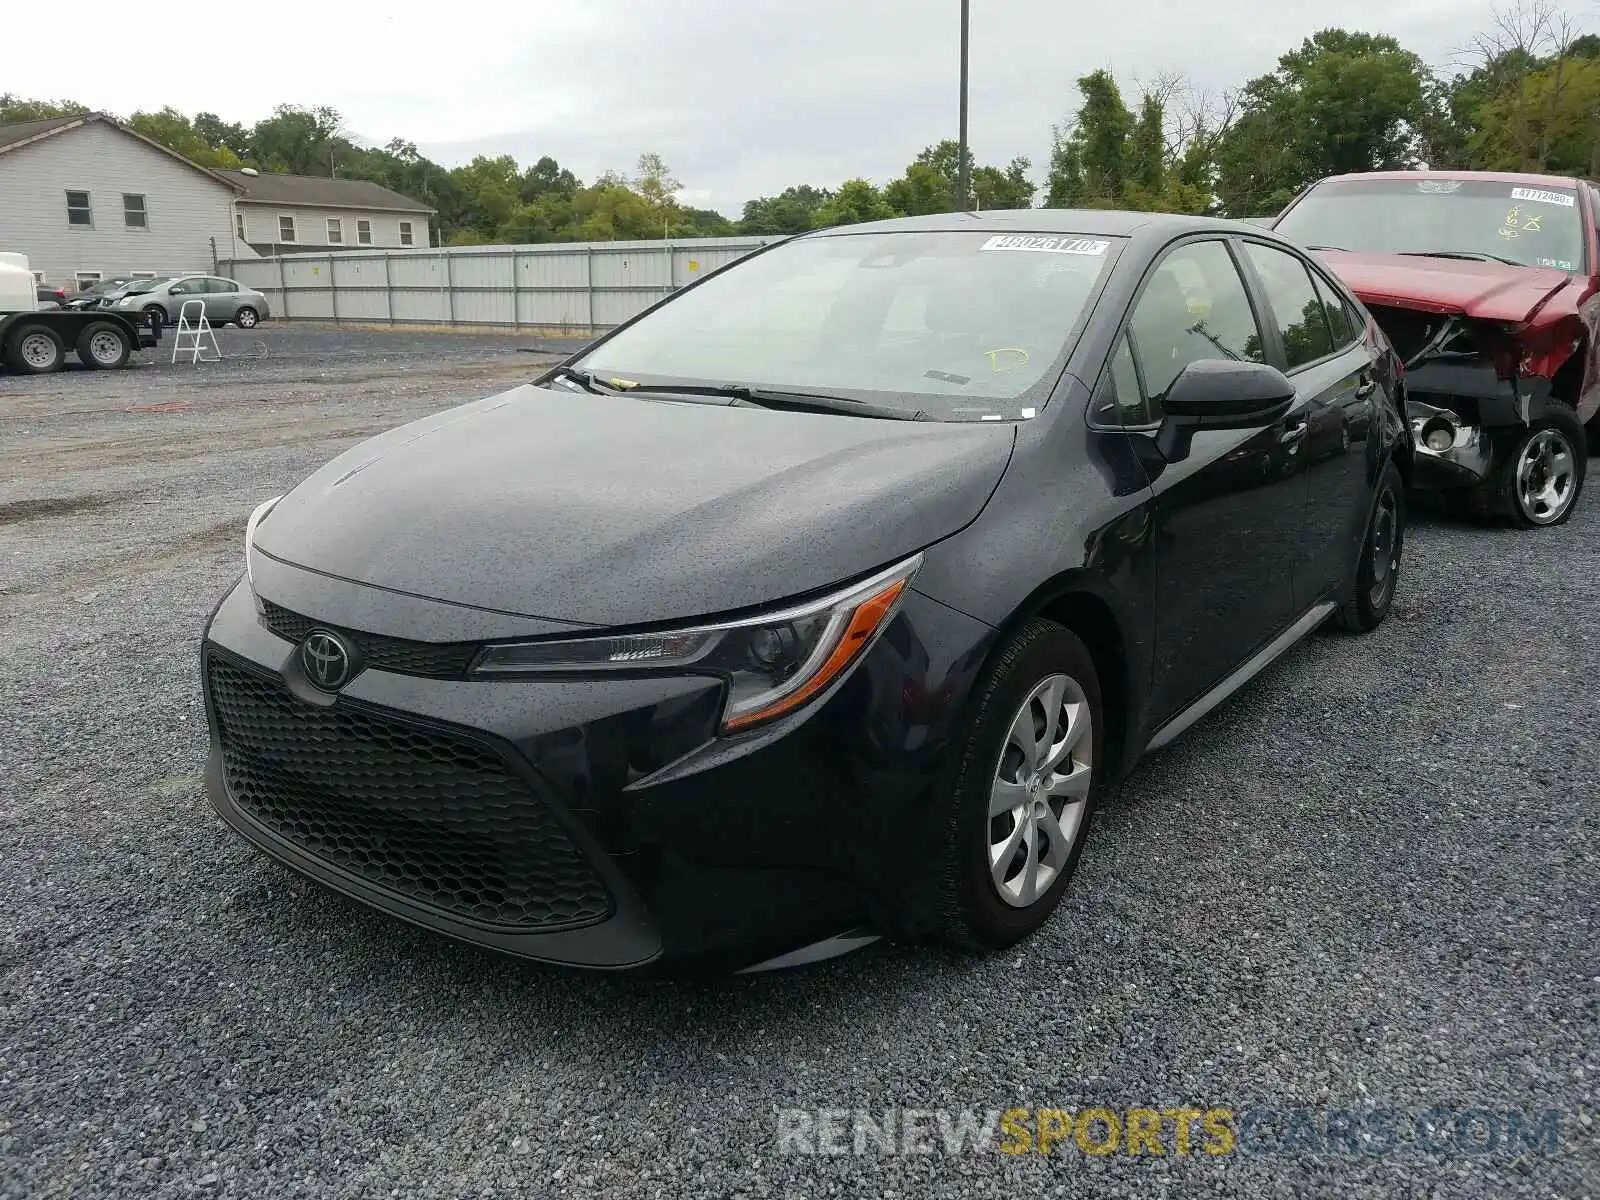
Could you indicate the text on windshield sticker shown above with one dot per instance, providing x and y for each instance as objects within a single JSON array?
[
  {"x": 1564, "y": 199},
  {"x": 1046, "y": 245}
]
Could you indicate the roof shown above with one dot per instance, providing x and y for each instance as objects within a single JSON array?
[
  {"x": 1100, "y": 222},
  {"x": 1486, "y": 176},
  {"x": 319, "y": 191},
  {"x": 24, "y": 133}
]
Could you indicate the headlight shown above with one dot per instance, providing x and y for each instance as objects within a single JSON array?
[
  {"x": 773, "y": 664},
  {"x": 256, "y": 517},
  {"x": 1438, "y": 434}
]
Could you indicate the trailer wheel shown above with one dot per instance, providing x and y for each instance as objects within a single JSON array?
[
  {"x": 35, "y": 350},
  {"x": 103, "y": 347}
]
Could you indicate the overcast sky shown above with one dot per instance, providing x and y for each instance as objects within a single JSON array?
[{"x": 741, "y": 97}]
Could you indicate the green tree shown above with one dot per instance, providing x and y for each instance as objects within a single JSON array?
[
  {"x": 1089, "y": 160},
  {"x": 173, "y": 130},
  {"x": 920, "y": 191},
  {"x": 299, "y": 141},
  {"x": 855, "y": 201},
  {"x": 14, "y": 110},
  {"x": 791, "y": 211},
  {"x": 1341, "y": 102},
  {"x": 1009, "y": 188}
]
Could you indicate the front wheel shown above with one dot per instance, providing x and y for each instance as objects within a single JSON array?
[
  {"x": 155, "y": 316},
  {"x": 36, "y": 350},
  {"x": 1018, "y": 811},
  {"x": 1378, "y": 571},
  {"x": 246, "y": 318},
  {"x": 1539, "y": 481}
]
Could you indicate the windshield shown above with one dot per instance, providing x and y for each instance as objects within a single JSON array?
[
  {"x": 948, "y": 323},
  {"x": 140, "y": 286},
  {"x": 1533, "y": 226}
]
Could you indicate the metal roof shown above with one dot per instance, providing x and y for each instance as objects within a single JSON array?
[
  {"x": 23, "y": 131},
  {"x": 320, "y": 192}
]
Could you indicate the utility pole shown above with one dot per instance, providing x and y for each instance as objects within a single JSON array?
[{"x": 963, "y": 189}]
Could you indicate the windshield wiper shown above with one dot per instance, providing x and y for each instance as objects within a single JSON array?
[
  {"x": 1466, "y": 255},
  {"x": 738, "y": 393},
  {"x": 585, "y": 380},
  {"x": 1340, "y": 249}
]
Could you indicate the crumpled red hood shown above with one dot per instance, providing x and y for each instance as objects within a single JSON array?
[{"x": 1490, "y": 291}]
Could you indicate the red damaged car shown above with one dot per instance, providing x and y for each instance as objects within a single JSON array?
[{"x": 1488, "y": 285}]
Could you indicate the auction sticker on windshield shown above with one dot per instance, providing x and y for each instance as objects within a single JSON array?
[
  {"x": 1564, "y": 199},
  {"x": 1046, "y": 245}
]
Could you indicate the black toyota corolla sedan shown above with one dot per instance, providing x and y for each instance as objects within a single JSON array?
[{"x": 816, "y": 603}]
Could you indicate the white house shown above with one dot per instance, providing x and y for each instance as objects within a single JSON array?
[
  {"x": 84, "y": 197},
  {"x": 282, "y": 214}
]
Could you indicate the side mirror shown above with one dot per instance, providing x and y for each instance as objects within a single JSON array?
[
  {"x": 176, "y": 290},
  {"x": 1220, "y": 393}
]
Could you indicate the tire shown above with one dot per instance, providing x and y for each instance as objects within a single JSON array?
[
  {"x": 103, "y": 346},
  {"x": 155, "y": 315},
  {"x": 1378, "y": 572},
  {"x": 984, "y": 907},
  {"x": 1528, "y": 487},
  {"x": 35, "y": 350},
  {"x": 246, "y": 317}
]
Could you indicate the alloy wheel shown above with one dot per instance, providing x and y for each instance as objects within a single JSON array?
[
  {"x": 1384, "y": 549},
  {"x": 1040, "y": 790},
  {"x": 1546, "y": 477}
]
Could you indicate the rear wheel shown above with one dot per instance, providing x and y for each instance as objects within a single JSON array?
[
  {"x": 1018, "y": 811},
  {"x": 103, "y": 347},
  {"x": 1378, "y": 572},
  {"x": 35, "y": 350},
  {"x": 1540, "y": 479},
  {"x": 246, "y": 318}
]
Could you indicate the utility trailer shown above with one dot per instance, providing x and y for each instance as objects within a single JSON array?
[{"x": 36, "y": 341}]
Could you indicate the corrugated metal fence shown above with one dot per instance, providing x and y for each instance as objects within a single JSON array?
[{"x": 576, "y": 286}]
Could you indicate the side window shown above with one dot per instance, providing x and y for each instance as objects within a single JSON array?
[
  {"x": 1342, "y": 323},
  {"x": 1194, "y": 306},
  {"x": 1121, "y": 400},
  {"x": 1295, "y": 304},
  {"x": 221, "y": 285}
]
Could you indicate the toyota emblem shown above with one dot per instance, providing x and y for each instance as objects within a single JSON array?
[{"x": 325, "y": 660}]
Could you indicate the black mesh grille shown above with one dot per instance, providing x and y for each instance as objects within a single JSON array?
[
  {"x": 436, "y": 817},
  {"x": 447, "y": 660}
]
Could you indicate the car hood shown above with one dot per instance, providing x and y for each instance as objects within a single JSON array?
[
  {"x": 606, "y": 510},
  {"x": 1490, "y": 291}
]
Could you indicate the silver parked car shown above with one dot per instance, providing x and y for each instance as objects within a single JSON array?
[{"x": 226, "y": 302}]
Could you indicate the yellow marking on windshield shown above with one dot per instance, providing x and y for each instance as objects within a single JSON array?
[{"x": 994, "y": 363}]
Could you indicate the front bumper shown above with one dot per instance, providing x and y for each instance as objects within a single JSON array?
[
  {"x": 595, "y": 822},
  {"x": 1477, "y": 410}
]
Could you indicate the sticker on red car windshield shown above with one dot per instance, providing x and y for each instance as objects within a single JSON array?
[
  {"x": 1046, "y": 245},
  {"x": 1564, "y": 199}
]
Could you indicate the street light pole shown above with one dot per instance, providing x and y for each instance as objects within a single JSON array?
[{"x": 963, "y": 188}]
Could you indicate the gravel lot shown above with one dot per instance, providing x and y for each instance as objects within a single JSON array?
[{"x": 1367, "y": 882}]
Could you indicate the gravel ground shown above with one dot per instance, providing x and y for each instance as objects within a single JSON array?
[{"x": 1367, "y": 882}]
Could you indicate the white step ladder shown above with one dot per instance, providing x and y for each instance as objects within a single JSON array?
[{"x": 199, "y": 333}]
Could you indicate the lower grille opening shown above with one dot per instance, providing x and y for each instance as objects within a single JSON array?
[{"x": 432, "y": 816}]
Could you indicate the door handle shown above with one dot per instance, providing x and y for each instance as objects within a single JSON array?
[{"x": 1293, "y": 431}]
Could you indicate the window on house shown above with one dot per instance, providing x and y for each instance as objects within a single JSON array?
[
  {"x": 133, "y": 213},
  {"x": 335, "y": 232},
  {"x": 78, "y": 211},
  {"x": 238, "y": 226},
  {"x": 405, "y": 234},
  {"x": 364, "y": 232},
  {"x": 141, "y": 274},
  {"x": 85, "y": 278},
  {"x": 286, "y": 229}
]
